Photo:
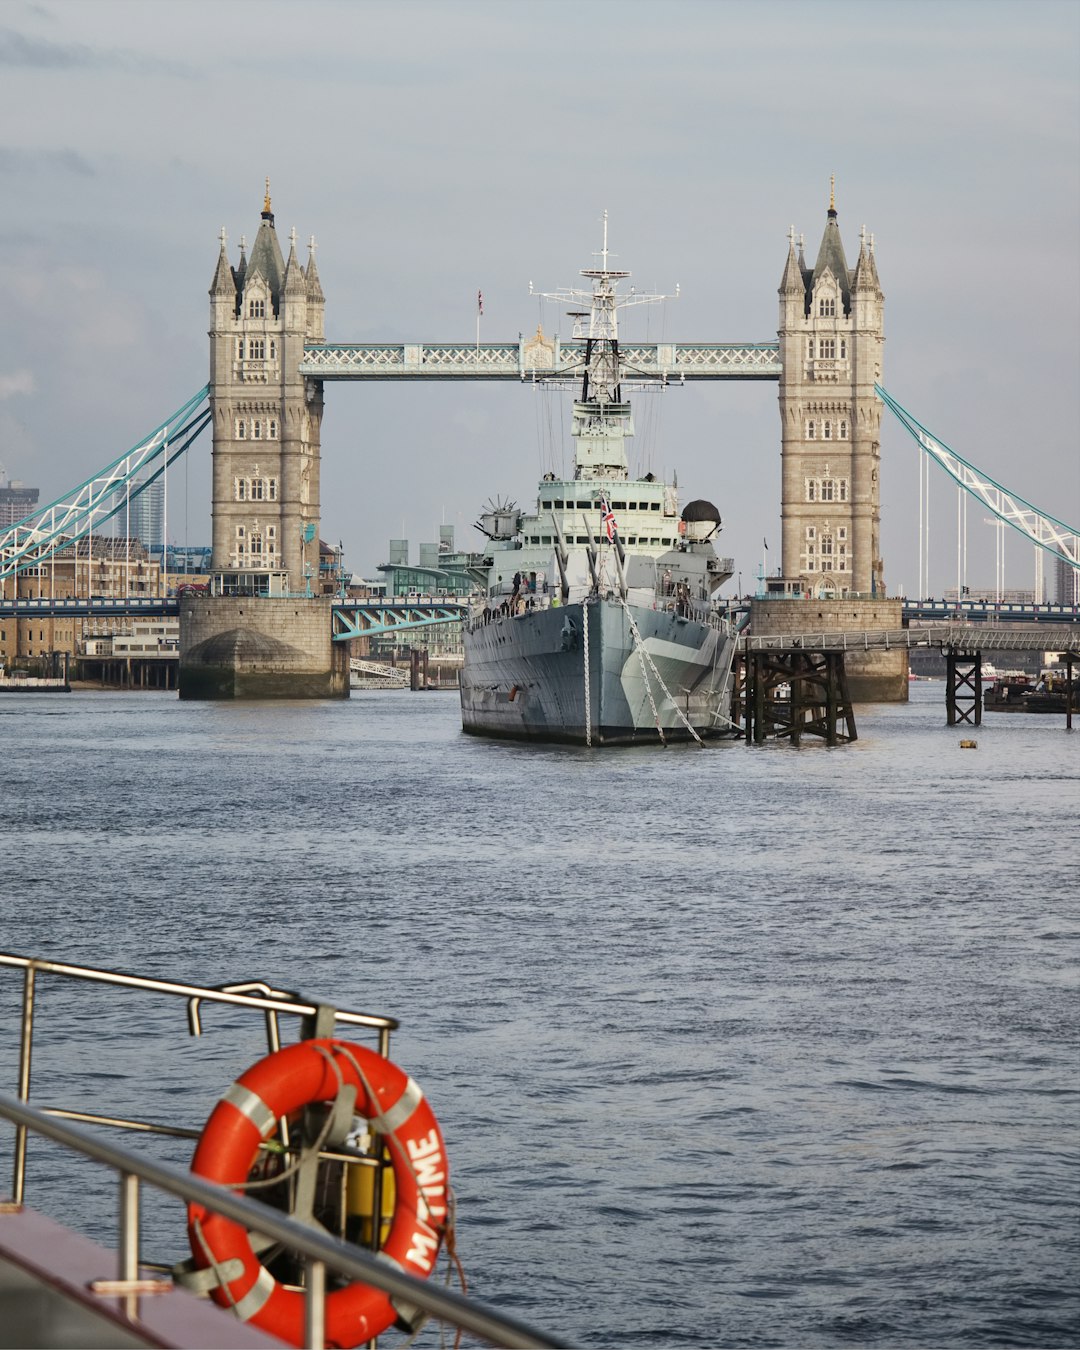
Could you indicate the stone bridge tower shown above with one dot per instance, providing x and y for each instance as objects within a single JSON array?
[
  {"x": 831, "y": 339},
  {"x": 831, "y": 576},
  {"x": 266, "y": 417},
  {"x": 265, "y": 630}
]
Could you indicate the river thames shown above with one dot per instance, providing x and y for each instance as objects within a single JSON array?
[{"x": 730, "y": 1047}]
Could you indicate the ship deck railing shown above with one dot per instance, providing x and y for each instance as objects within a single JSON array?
[{"x": 322, "y": 1253}]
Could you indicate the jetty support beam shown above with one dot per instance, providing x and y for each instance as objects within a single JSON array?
[
  {"x": 791, "y": 694},
  {"x": 963, "y": 687}
]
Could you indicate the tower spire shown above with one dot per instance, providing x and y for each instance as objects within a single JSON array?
[
  {"x": 224, "y": 283},
  {"x": 832, "y": 194},
  {"x": 267, "y": 211}
]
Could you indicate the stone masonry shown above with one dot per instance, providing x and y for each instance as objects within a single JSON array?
[
  {"x": 873, "y": 677},
  {"x": 236, "y": 646}
]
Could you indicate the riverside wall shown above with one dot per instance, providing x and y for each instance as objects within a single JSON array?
[
  {"x": 259, "y": 648},
  {"x": 873, "y": 677}
]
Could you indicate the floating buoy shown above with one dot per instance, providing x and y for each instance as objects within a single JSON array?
[
  {"x": 282, "y": 1084},
  {"x": 969, "y": 745}
]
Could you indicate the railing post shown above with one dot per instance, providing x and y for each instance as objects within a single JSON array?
[
  {"x": 315, "y": 1306},
  {"x": 128, "y": 1247},
  {"x": 26, "y": 1041}
]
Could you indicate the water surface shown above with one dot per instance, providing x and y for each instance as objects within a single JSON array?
[{"x": 736, "y": 1047}]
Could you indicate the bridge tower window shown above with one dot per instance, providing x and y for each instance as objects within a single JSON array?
[
  {"x": 827, "y": 307},
  {"x": 826, "y": 489},
  {"x": 843, "y": 431},
  {"x": 240, "y": 492},
  {"x": 273, "y": 430},
  {"x": 826, "y": 430},
  {"x": 256, "y": 309},
  {"x": 273, "y": 350},
  {"x": 241, "y": 429},
  {"x": 827, "y": 348},
  {"x": 256, "y": 349},
  {"x": 811, "y": 430},
  {"x": 843, "y": 349}
]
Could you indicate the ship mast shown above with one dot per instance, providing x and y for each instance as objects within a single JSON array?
[{"x": 602, "y": 419}]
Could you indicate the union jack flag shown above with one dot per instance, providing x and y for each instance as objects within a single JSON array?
[{"x": 607, "y": 519}]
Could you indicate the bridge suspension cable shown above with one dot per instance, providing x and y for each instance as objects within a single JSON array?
[
  {"x": 1037, "y": 526},
  {"x": 36, "y": 538}
]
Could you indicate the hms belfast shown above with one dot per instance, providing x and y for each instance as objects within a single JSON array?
[{"x": 596, "y": 620}]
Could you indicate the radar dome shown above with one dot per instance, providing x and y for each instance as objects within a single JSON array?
[
  {"x": 701, "y": 510},
  {"x": 700, "y": 521}
]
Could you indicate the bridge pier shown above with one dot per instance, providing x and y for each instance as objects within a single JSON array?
[{"x": 235, "y": 646}]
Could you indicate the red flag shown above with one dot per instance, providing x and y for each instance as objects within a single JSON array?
[{"x": 479, "y": 302}]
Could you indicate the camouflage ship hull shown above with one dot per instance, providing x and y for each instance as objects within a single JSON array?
[{"x": 573, "y": 673}]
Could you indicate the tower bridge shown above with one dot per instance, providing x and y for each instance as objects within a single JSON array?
[{"x": 269, "y": 365}]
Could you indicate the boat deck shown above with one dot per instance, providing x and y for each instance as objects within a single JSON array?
[{"x": 47, "y": 1298}]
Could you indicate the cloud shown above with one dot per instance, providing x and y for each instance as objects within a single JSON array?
[
  {"x": 30, "y": 161},
  {"x": 30, "y": 53},
  {"x": 19, "y": 382}
]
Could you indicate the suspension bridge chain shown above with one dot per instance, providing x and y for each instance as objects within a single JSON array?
[
  {"x": 33, "y": 540},
  {"x": 1036, "y": 526}
]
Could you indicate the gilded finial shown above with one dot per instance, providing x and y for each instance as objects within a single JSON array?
[
  {"x": 266, "y": 199},
  {"x": 832, "y": 191}
]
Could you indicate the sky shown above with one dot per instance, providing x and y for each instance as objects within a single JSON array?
[{"x": 440, "y": 147}]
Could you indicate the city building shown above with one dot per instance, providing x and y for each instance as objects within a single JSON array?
[{"x": 16, "y": 501}]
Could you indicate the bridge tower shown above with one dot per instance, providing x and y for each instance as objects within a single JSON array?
[
  {"x": 266, "y": 416},
  {"x": 265, "y": 630},
  {"x": 831, "y": 340}
]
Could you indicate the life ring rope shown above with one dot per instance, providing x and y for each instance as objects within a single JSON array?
[
  {"x": 388, "y": 1123},
  {"x": 354, "y": 1081}
]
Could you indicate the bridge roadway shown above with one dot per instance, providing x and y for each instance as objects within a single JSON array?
[
  {"x": 961, "y": 637},
  {"x": 369, "y": 618},
  {"x": 539, "y": 358}
]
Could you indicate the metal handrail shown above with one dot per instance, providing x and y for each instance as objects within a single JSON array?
[
  {"x": 256, "y": 994},
  {"x": 319, "y": 1250}
]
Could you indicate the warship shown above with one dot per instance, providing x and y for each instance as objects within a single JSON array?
[{"x": 596, "y": 619}]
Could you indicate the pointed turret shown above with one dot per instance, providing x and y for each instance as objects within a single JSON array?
[
  {"x": 831, "y": 254},
  {"x": 241, "y": 270},
  {"x": 314, "y": 286},
  {"x": 223, "y": 286},
  {"x": 316, "y": 301},
  {"x": 295, "y": 281},
  {"x": 266, "y": 260},
  {"x": 865, "y": 277},
  {"x": 792, "y": 283}
]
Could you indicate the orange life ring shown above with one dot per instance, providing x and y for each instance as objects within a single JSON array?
[{"x": 247, "y": 1115}]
